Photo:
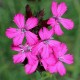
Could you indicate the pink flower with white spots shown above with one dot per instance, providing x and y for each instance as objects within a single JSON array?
[
  {"x": 18, "y": 34},
  {"x": 58, "y": 11},
  {"x": 22, "y": 51},
  {"x": 61, "y": 57},
  {"x": 46, "y": 43}
]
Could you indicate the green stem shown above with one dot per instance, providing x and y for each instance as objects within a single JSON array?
[
  {"x": 77, "y": 45},
  {"x": 48, "y": 76}
]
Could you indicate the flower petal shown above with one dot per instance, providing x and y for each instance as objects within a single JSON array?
[
  {"x": 67, "y": 23},
  {"x": 62, "y": 8},
  {"x": 37, "y": 48},
  {"x": 52, "y": 68},
  {"x": 68, "y": 58},
  {"x": 60, "y": 50},
  {"x": 19, "y": 20},
  {"x": 29, "y": 68},
  {"x": 54, "y": 8},
  {"x": 48, "y": 62},
  {"x": 45, "y": 34},
  {"x": 51, "y": 22},
  {"x": 11, "y": 32},
  {"x": 54, "y": 43},
  {"x": 18, "y": 39},
  {"x": 46, "y": 51},
  {"x": 31, "y": 58},
  {"x": 61, "y": 69},
  {"x": 44, "y": 64},
  {"x": 58, "y": 30},
  {"x": 41, "y": 34},
  {"x": 63, "y": 49},
  {"x": 31, "y": 23},
  {"x": 31, "y": 38},
  {"x": 19, "y": 58},
  {"x": 15, "y": 48}
]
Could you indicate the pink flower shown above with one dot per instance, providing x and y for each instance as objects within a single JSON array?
[
  {"x": 22, "y": 51},
  {"x": 60, "y": 56},
  {"x": 58, "y": 11},
  {"x": 23, "y": 30},
  {"x": 46, "y": 43}
]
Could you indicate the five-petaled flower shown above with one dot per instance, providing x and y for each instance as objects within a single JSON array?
[
  {"x": 17, "y": 34},
  {"x": 58, "y": 11},
  {"x": 45, "y": 45},
  {"x": 61, "y": 56}
]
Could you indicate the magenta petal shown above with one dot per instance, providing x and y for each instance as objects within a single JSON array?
[
  {"x": 52, "y": 69},
  {"x": 17, "y": 35},
  {"x": 19, "y": 20},
  {"x": 15, "y": 48},
  {"x": 45, "y": 53},
  {"x": 31, "y": 58},
  {"x": 54, "y": 8},
  {"x": 37, "y": 48},
  {"x": 67, "y": 23},
  {"x": 31, "y": 23},
  {"x": 68, "y": 58},
  {"x": 60, "y": 50},
  {"x": 50, "y": 60},
  {"x": 11, "y": 32},
  {"x": 62, "y": 8},
  {"x": 31, "y": 38},
  {"x": 41, "y": 34},
  {"x": 30, "y": 68},
  {"x": 58, "y": 30},
  {"x": 19, "y": 58},
  {"x": 61, "y": 69},
  {"x": 63, "y": 49},
  {"x": 44, "y": 64},
  {"x": 18, "y": 39},
  {"x": 54, "y": 43},
  {"x": 44, "y": 33},
  {"x": 51, "y": 22}
]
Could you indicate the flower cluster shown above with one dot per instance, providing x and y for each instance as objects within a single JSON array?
[{"x": 41, "y": 50}]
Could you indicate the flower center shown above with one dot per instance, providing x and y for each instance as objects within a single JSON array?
[
  {"x": 60, "y": 58},
  {"x": 23, "y": 30},
  {"x": 26, "y": 48},
  {"x": 45, "y": 41},
  {"x": 22, "y": 50},
  {"x": 56, "y": 18}
]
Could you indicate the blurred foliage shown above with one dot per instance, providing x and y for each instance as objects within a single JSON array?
[{"x": 8, "y": 8}]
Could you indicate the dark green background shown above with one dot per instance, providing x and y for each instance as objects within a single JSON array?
[{"x": 8, "y": 8}]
